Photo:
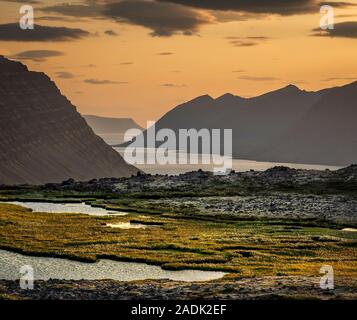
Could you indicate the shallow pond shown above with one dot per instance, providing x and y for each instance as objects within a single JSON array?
[
  {"x": 349, "y": 229},
  {"x": 55, "y": 268},
  {"x": 130, "y": 225},
  {"x": 67, "y": 208}
]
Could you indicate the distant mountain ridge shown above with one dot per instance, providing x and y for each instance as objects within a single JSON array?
[
  {"x": 111, "y": 130},
  {"x": 283, "y": 125},
  {"x": 327, "y": 133},
  {"x": 43, "y": 137},
  {"x": 101, "y": 124}
]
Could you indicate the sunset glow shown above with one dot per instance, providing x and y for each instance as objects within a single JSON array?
[{"x": 120, "y": 69}]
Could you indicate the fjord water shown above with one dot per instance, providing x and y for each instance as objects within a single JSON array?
[
  {"x": 54, "y": 268},
  {"x": 238, "y": 165}
]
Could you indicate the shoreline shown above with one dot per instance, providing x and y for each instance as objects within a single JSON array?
[{"x": 253, "y": 288}]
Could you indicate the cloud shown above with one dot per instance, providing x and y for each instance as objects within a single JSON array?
[
  {"x": 101, "y": 82},
  {"x": 65, "y": 75},
  {"x": 90, "y": 10},
  {"x": 279, "y": 7},
  {"x": 345, "y": 15},
  {"x": 164, "y": 19},
  {"x": 13, "y": 32},
  {"x": 59, "y": 18},
  {"x": 337, "y": 4},
  {"x": 126, "y": 63},
  {"x": 170, "y": 17},
  {"x": 340, "y": 78},
  {"x": 111, "y": 33},
  {"x": 247, "y": 41},
  {"x": 23, "y": 1},
  {"x": 37, "y": 55},
  {"x": 165, "y": 53},
  {"x": 172, "y": 85},
  {"x": 228, "y": 16},
  {"x": 254, "y": 78},
  {"x": 346, "y": 29}
]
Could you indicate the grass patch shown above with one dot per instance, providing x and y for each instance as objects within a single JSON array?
[{"x": 246, "y": 247}]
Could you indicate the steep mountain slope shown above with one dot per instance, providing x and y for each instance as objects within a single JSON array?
[
  {"x": 254, "y": 121},
  {"x": 43, "y": 138},
  {"x": 286, "y": 125},
  {"x": 326, "y": 134},
  {"x": 262, "y": 119}
]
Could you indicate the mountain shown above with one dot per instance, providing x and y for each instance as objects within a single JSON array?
[
  {"x": 285, "y": 125},
  {"x": 326, "y": 134},
  {"x": 43, "y": 137},
  {"x": 111, "y": 130}
]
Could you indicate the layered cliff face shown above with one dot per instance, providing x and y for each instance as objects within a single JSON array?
[{"x": 43, "y": 138}]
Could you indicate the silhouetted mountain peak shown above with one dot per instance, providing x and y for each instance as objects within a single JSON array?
[
  {"x": 7, "y": 65},
  {"x": 228, "y": 98},
  {"x": 203, "y": 99},
  {"x": 291, "y": 88},
  {"x": 287, "y": 91}
]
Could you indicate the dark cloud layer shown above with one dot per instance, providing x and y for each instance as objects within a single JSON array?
[
  {"x": 59, "y": 18},
  {"x": 36, "y": 55},
  {"x": 170, "y": 17},
  {"x": 24, "y": 1},
  {"x": 346, "y": 29},
  {"x": 90, "y": 10},
  {"x": 280, "y": 7},
  {"x": 13, "y": 32},
  {"x": 164, "y": 19}
]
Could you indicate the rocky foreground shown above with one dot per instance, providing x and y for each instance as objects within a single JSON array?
[
  {"x": 304, "y": 199},
  {"x": 273, "y": 288},
  {"x": 279, "y": 192},
  {"x": 277, "y": 178}
]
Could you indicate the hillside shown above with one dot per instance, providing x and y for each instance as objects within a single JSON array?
[
  {"x": 285, "y": 125},
  {"x": 43, "y": 137}
]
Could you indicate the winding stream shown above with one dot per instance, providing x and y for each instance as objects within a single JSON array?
[{"x": 55, "y": 268}]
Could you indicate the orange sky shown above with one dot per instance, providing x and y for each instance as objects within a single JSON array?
[{"x": 146, "y": 83}]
